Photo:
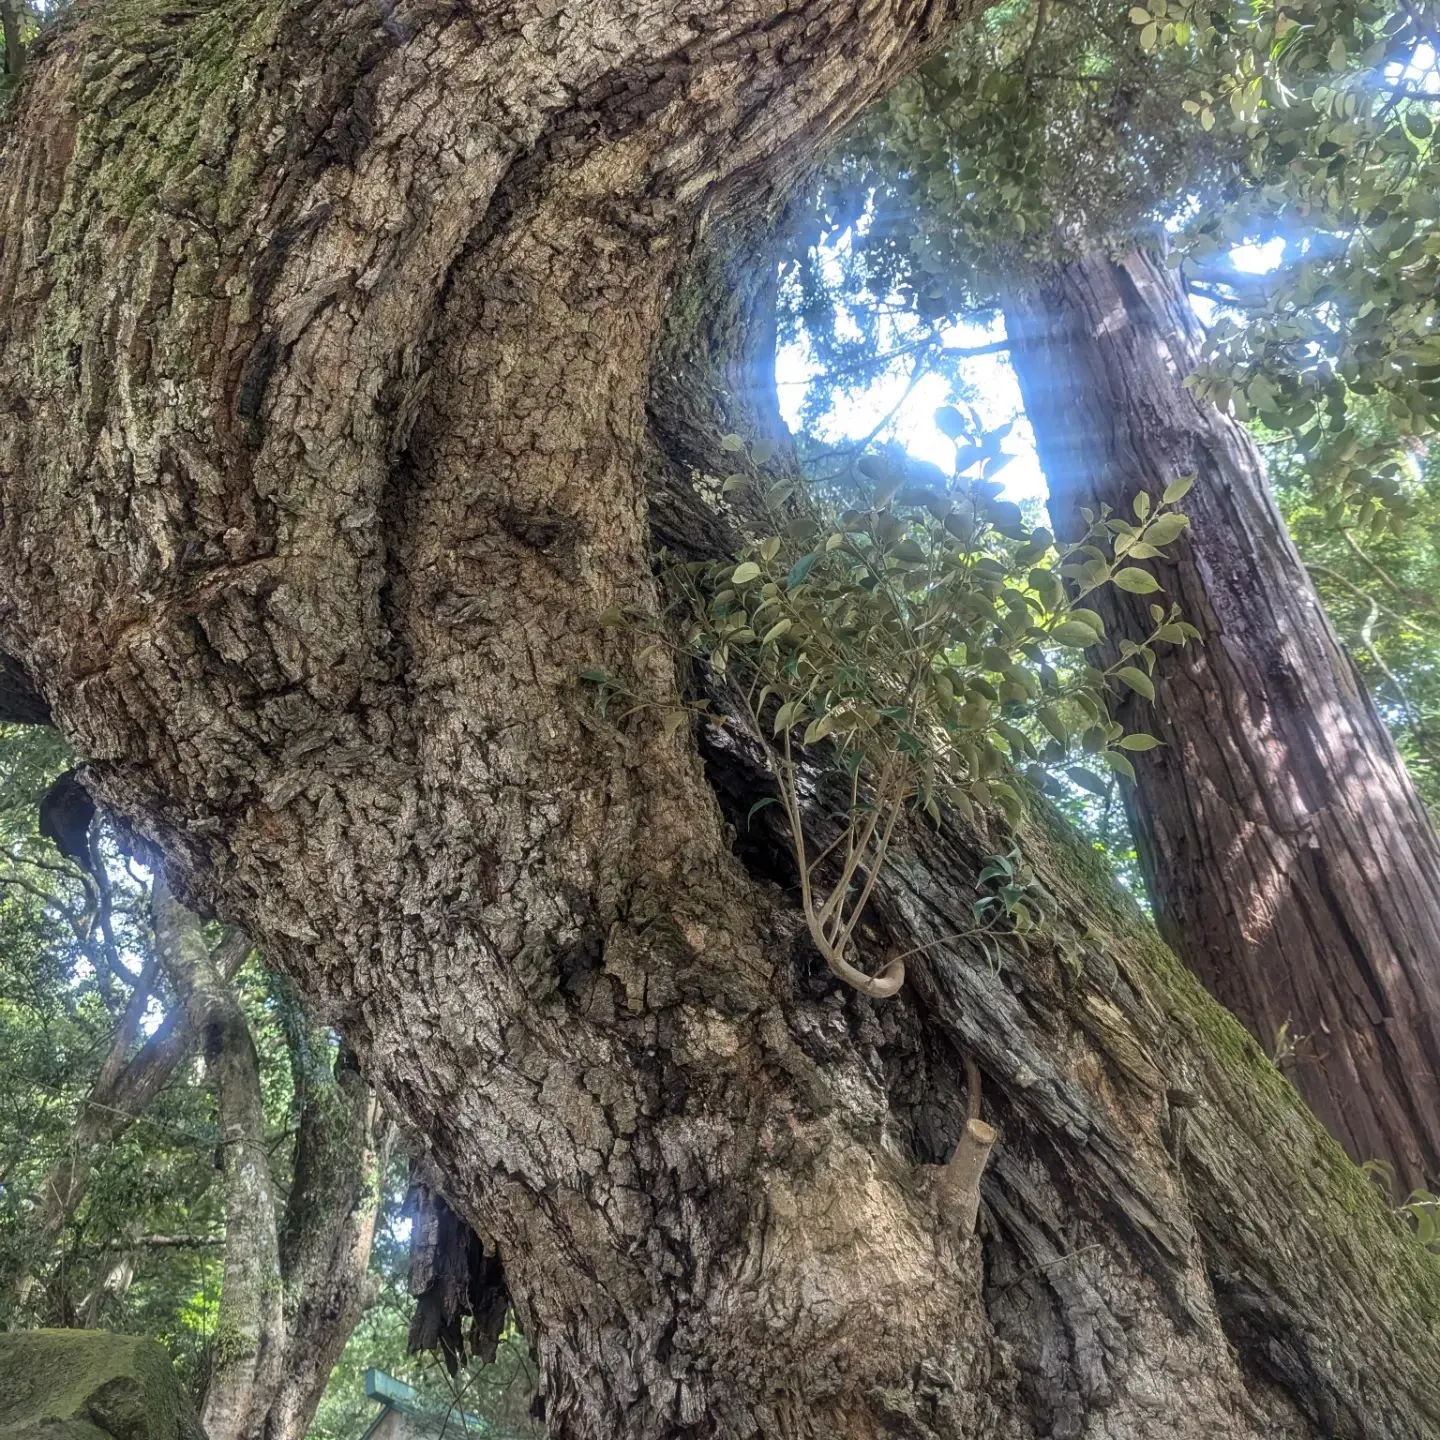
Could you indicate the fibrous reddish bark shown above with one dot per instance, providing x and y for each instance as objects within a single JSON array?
[
  {"x": 1290, "y": 861},
  {"x": 331, "y": 435}
]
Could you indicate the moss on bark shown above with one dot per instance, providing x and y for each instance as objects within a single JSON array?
[{"x": 87, "y": 1383}]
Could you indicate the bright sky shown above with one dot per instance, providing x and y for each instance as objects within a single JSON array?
[
  {"x": 997, "y": 400},
  {"x": 998, "y": 395}
]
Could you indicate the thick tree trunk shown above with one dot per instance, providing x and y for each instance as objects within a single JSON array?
[
  {"x": 1289, "y": 859},
  {"x": 322, "y": 453}
]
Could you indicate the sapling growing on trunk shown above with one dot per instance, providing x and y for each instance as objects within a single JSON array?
[{"x": 922, "y": 632}]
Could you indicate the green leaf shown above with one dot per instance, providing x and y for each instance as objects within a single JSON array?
[
  {"x": 1049, "y": 717},
  {"x": 745, "y": 573},
  {"x": 950, "y": 422},
  {"x": 1135, "y": 580},
  {"x": 673, "y": 720},
  {"x": 1074, "y": 634},
  {"x": 731, "y": 443},
  {"x": 1139, "y": 742},
  {"x": 1088, "y": 780},
  {"x": 800, "y": 569},
  {"x": 1177, "y": 489},
  {"x": 1138, "y": 681},
  {"x": 819, "y": 729},
  {"x": 1139, "y": 16},
  {"x": 1166, "y": 528},
  {"x": 1119, "y": 764},
  {"x": 787, "y": 715},
  {"x": 758, "y": 806},
  {"x": 779, "y": 628}
]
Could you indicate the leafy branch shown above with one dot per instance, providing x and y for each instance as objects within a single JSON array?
[{"x": 935, "y": 640}]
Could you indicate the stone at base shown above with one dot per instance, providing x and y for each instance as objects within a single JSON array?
[{"x": 90, "y": 1385}]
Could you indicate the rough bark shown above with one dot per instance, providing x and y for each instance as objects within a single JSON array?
[
  {"x": 1290, "y": 861},
  {"x": 397, "y": 277}
]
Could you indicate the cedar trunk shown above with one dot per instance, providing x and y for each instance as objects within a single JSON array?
[
  {"x": 326, "y": 334},
  {"x": 1289, "y": 859}
]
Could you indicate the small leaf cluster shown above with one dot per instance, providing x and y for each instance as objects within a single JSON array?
[
  {"x": 937, "y": 641},
  {"x": 1334, "y": 107}
]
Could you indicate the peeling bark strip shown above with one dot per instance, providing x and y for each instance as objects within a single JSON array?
[
  {"x": 324, "y": 335},
  {"x": 1291, "y": 863}
]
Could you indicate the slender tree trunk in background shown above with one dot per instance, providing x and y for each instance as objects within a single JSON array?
[
  {"x": 317, "y": 1260},
  {"x": 11, "y": 33},
  {"x": 321, "y": 454},
  {"x": 329, "y": 1230},
  {"x": 122, "y": 1091},
  {"x": 248, "y": 1344},
  {"x": 290, "y": 1295},
  {"x": 1289, "y": 859}
]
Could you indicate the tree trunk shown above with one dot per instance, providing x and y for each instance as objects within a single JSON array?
[
  {"x": 329, "y": 1230},
  {"x": 290, "y": 1296},
  {"x": 1290, "y": 862},
  {"x": 121, "y": 1093},
  {"x": 325, "y": 334},
  {"x": 247, "y": 1347},
  {"x": 10, "y": 32}
]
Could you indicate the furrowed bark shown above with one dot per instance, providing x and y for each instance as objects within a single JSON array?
[
  {"x": 400, "y": 480},
  {"x": 1290, "y": 861},
  {"x": 398, "y": 279}
]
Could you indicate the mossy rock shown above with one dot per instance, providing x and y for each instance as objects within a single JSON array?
[{"x": 90, "y": 1385}]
